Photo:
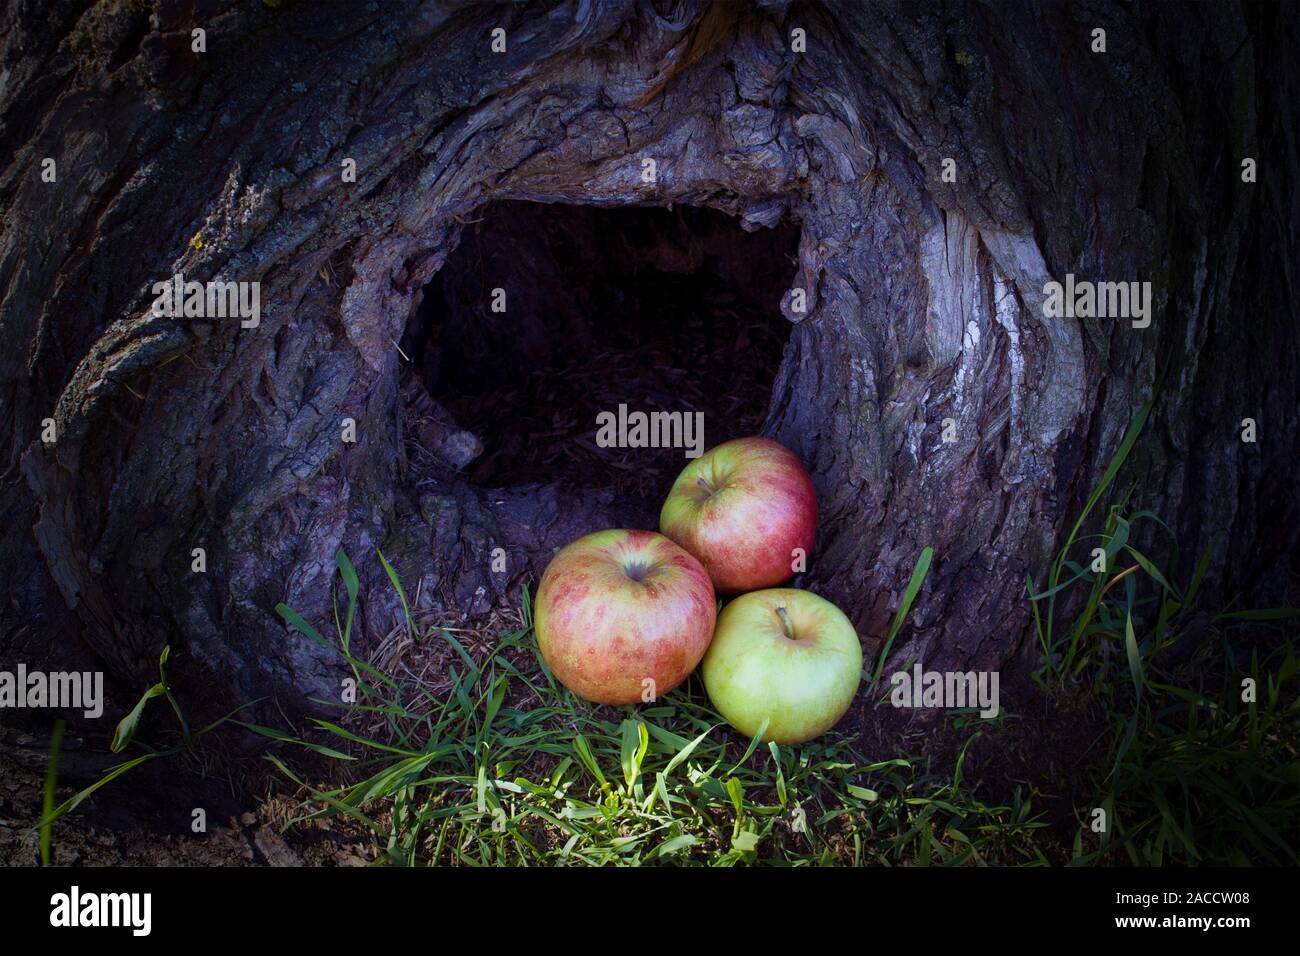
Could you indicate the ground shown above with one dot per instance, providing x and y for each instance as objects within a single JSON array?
[{"x": 464, "y": 751}]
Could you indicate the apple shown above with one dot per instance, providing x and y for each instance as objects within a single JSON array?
[
  {"x": 623, "y": 616},
  {"x": 742, "y": 509},
  {"x": 786, "y": 656}
]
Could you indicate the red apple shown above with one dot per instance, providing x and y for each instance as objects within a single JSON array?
[
  {"x": 623, "y": 616},
  {"x": 742, "y": 509}
]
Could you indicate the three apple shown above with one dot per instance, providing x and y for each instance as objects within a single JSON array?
[{"x": 624, "y": 616}]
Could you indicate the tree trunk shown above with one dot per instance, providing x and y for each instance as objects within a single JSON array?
[{"x": 933, "y": 398}]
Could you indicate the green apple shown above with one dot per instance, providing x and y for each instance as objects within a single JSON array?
[{"x": 786, "y": 656}]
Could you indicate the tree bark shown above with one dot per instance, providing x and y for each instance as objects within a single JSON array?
[{"x": 924, "y": 296}]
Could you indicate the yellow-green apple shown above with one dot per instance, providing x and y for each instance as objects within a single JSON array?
[
  {"x": 743, "y": 508},
  {"x": 623, "y": 616},
  {"x": 786, "y": 656}
]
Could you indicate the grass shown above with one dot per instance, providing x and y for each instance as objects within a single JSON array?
[
  {"x": 123, "y": 737},
  {"x": 475, "y": 779},
  {"x": 1204, "y": 758},
  {"x": 506, "y": 767}
]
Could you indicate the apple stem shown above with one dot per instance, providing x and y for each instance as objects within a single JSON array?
[
  {"x": 705, "y": 485},
  {"x": 786, "y": 622}
]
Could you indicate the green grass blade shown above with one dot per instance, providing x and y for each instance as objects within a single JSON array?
[
  {"x": 909, "y": 595},
  {"x": 126, "y": 727},
  {"x": 401, "y": 593},
  {"x": 51, "y": 785}
]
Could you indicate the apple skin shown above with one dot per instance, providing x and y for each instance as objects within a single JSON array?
[
  {"x": 617, "y": 607},
  {"x": 741, "y": 509},
  {"x": 753, "y": 670}
]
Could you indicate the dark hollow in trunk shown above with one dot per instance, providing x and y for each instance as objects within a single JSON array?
[
  {"x": 656, "y": 310},
  {"x": 933, "y": 399}
]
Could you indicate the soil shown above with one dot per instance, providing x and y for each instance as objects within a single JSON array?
[{"x": 144, "y": 818}]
